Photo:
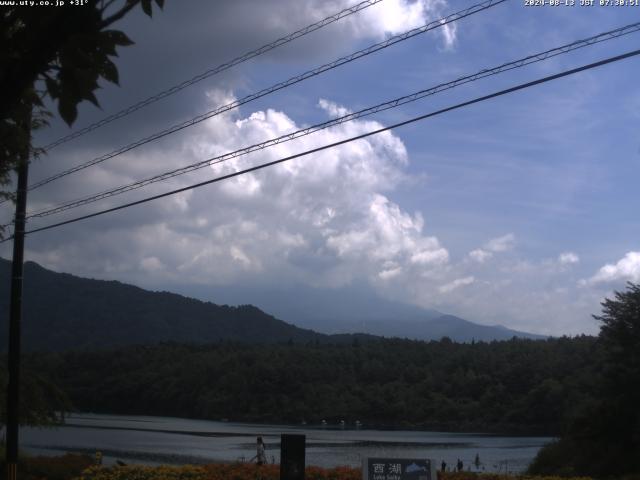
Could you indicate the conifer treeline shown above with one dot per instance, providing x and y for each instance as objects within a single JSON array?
[{"x": 518, "y": 386}]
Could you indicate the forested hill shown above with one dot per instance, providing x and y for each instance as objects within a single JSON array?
[
  {"x": 517, "y": 386},
  {"x": 62, "y": 311}
]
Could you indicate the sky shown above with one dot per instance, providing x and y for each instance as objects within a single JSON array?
[{"x": 519, "y": 211}]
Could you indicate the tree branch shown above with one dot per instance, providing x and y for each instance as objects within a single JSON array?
[
  {"x": 104, "y": 6},
  {"x": 119, "y": 14}
]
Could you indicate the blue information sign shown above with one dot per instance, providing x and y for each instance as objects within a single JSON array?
[{"x": 398, "y": 469}]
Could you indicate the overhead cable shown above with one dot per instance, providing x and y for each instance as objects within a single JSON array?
[
  {"x": 506, "y": 91},
  {"x": 278, "y": 86},
  {"x": 214, "y": 71},
  {"x": 535, "y": 58}
]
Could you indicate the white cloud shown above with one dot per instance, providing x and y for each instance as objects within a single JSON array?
[
  {"x": 392, "y": 17},
  {"x": 387, "y": 234},
  {"x": 480, "y": 255},
  {"x": 328, "y": 219},
  {"x": 627, "y": 268},
  {"x": 322, "y": 220},
  {"x": 151, "y": 264},
  {"x": 457, "y": 283},
  {"x": 390, "y": 273},
  {"x": 239, "y": 256},
  {"x": 495, "y": 245},
  {"x": 434, "y": 255},
  {"x": 333, "y": 109},
  {"x": 568, "y": 258},
  {"x": 501, "y": 244},
  {"x": 449, "y": 32}
]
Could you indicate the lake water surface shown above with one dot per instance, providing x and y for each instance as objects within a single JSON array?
[{"x": 164, "y": 440}]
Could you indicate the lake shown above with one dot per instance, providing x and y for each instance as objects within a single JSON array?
[{"x": 164, "y": 440}]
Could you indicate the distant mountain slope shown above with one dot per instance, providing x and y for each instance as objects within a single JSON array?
[
  {"x": 62, "y": 311},
  {"x": 351, "y": 309},
  {"x": 457, "y": 329},
  {"x": 427, "y": 328}
]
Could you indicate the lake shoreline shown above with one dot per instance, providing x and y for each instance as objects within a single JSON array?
[
  {"x": 453, "y": 428},
  {"x": 153, "y": 440}
]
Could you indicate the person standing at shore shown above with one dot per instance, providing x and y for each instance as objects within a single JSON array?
[{"x": 261, "y": 457}]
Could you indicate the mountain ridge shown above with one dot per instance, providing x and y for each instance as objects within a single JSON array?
[
  {"x": 63, "y": 311},
  {"x": 355, "y": 309}
]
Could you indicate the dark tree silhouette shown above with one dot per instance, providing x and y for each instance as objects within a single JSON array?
[
  {"x": 605, "y": 440},
  {"x": 69, "y": 50}
]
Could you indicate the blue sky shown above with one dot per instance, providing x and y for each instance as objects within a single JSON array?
[{"x": 519, "y": 211}]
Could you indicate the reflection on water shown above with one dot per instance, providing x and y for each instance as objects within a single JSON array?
[{"x": 155, "y": 440}]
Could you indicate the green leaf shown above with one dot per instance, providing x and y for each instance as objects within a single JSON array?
[
  {"x": 67, "y": 109},
  {"x": 89, "y": 95},
  {"x": 117, "y": 37},
  {"x": 77, "y": 54},
  {"x": 52, "y": 87},
  {"x": 83, "y": 80},
  {"x": 146, "y": 7},
  {"x": 106, "y": 44},
  {"x": 110, "y": 72}
]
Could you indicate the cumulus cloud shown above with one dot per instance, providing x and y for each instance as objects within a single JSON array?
[
  {"x": 527, "y": 295},
  {"x": 568, "y": 258},
  {"x": 386, "y": 233},
  {"x": 323, "y": 219},
  {"x": 480, "y": 255},
  {"x": 390, "y": 273},
  {"x": 151, "y": 265},
  {"x": 501, "y": 244},
  {"x": 264, "y": 21},
  {"x": 326, "y": 220},
  {"x": 333, "y": 109},
  {"x": 457, "y": 283},
  {"x": 330, "y": 219},
  {"x": 392, "y": 17},
  {"x": 495, "y": 245},
  {"x": 627, "y": 268}
]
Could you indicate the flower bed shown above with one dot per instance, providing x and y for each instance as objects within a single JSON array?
[
  {"x": 244, "y": 471},
  {"x": 222, "y": 471},
  {"x": 64, "y": 467}
]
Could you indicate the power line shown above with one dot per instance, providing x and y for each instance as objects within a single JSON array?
[
  {"x": 521, "y": 86},
  {"x": 291, "y": 81},
  {"x": 535, "y": 58},
  {"x": 278, "y": 86},
  {"x": 214, "y": 71}
]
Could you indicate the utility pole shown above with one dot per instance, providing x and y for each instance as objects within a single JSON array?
[{"x": 15, "y": 315}]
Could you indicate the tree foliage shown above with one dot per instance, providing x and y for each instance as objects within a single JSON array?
[
  {"x": 61, "y": 53},
  {"x": 518, "y": 386},
  {"x": 605, "y": 439},
  {"x": 41, "y": 402}
]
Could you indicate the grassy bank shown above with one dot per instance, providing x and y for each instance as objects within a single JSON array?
[{"x": 81, "y": 467}]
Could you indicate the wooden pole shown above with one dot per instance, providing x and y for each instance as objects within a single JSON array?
[{"x": 15, "y": 315}]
